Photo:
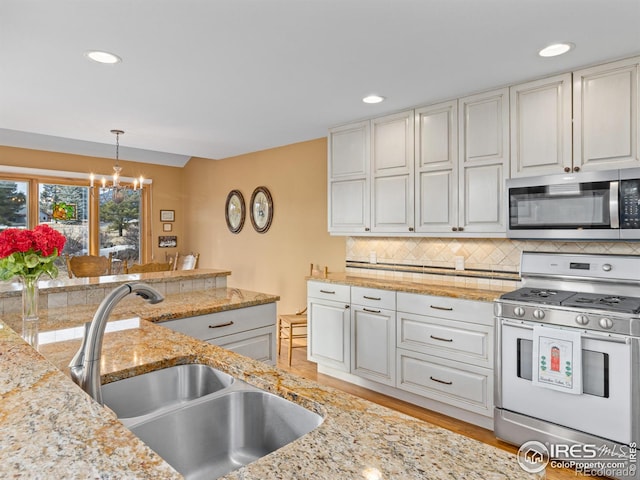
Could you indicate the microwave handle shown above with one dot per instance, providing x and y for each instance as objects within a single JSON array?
[{"x": 614, "y": 208}]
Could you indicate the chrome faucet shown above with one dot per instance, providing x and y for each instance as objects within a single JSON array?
[{"x": 85, "y": 364}]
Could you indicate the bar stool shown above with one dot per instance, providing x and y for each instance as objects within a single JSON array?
[{"x": 287, "y": 324}]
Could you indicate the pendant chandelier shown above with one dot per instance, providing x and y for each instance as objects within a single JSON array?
[{"x": 117, "y": 188}]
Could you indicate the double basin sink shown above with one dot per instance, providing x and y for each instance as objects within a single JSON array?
[{"x": 204, "y": 422}]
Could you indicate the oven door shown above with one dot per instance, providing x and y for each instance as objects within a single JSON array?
[{"x": 604, "y": 407}]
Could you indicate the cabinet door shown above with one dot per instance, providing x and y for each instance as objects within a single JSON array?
[
  {"x": 605, "y": 105},
  {"x": 392, "y": 173},
  {"x": 436, "y": 179},
  {"x": 373, "y": 344},
  {"x": 348, "y": 189},
  {"x": 483, "y": 152},
  {"x": 329, "y": 333},
  {"x": 541, "y": 126}
]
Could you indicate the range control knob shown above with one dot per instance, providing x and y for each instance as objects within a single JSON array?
[
  {"x": 538, "y": 314},
  {"x": 606, "y": 267},
  {"x": 518, "y": 312},
  {"x": 605, "y": 323},
  {"x": 582, "y": 319}
]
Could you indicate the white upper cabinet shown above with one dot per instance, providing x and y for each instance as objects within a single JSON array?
[
  {"x": 436, "y": 167},
  {"x": 440, "y": 170},
  {"x": 483, "y": 162},
  {"x": 348, "y": 188},
  {"x": 462, "y": 157},
  {"x": 392, "y": 173},
  {"x": 605, "y": 130},
  {"x": 541, "y": 126}
]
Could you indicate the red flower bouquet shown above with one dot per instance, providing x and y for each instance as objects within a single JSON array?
[{"x": 29, "y": 253}]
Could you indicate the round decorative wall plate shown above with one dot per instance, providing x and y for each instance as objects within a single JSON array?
[
  {"x": 261, "y": 209},
  {"x": 234, "y": 211}
]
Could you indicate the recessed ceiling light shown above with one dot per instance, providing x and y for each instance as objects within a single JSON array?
[
  {"x": 556, "y": 49},
  {"x": 103, "y": 57},
  {"x": 373, "y": 99}
]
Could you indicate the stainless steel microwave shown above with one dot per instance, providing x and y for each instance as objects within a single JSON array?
[{"x": 601, "y": 205}]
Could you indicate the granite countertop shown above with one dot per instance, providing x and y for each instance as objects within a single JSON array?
[
  {"x": 174, "y": 306},
  {"x": 443, "y": 288},
  {"x": 50, "y": 428}
]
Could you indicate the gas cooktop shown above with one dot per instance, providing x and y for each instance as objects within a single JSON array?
[{"x": 611, "y": 303}]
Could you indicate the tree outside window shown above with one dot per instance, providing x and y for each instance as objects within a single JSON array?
[{"x": 13, "y": 204}]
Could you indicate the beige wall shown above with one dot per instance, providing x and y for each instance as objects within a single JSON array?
[
  {"x": 277, "y": 261},
  {"x": 166, "y": 188}
]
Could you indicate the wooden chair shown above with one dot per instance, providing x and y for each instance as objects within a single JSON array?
[
  {"x": 186, "y": 262},
  {"x": 147, "y": 267},
  {"x": 287, "y": 324},
  {"x": 88, "y": 265}
]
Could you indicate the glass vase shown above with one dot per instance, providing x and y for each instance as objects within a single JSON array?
[{"x": 30, "y": 318}]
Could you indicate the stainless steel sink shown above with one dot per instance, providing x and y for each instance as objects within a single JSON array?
[
  {"x": 162, "y": 389},
  {"x": 208, "y": 438}
]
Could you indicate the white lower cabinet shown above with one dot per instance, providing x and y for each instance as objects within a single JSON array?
[
  {"x": 373, "y": 332},
  {"x": 436, "y": 352},
  {"x": 461, "y": 385},
  {"x": 328, "y": 324},
  {"x": 250, "y": 331}
]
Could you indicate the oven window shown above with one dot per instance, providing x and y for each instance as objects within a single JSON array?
[{"x": 595, "y": 368}]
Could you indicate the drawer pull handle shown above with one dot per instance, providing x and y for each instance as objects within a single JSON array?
[
  {"x": 327, "y": 291},
  {"x": 448, "y": 309},
  {"x": 372, "y": 298},
  {"x": 441, "y": 381},
  {"x": 442, "y": 339},
  {"x": 371, "y": 311},
  {"x": 221, "y": 325}
]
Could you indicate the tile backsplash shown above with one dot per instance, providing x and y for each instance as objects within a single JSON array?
[{"x": 490, "y": 254}]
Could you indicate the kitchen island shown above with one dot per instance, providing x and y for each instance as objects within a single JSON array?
[{"x": 50, "y": 428}]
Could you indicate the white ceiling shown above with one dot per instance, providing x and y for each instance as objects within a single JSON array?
[{"x": 218, "y": 78}]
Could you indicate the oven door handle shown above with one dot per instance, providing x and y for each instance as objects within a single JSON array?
[{"x": 605, "y": 337}]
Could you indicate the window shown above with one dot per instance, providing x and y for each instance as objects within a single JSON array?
[
  {"x": 120, "y": 226},
  {"x": 13, "y": 204},
  {"x": 92, "y": 219}
]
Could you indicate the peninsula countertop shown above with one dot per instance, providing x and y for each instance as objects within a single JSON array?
[{"x": 50, "y": 428}]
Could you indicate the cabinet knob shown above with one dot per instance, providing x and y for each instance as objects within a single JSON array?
[
  {"x": 567, "y": 169},
  {"x": 411, "y": 229},
  {"x": 576, "y": 169},
  {"x": 366, "y": 229},
  {"x": 460, "y": 229},
  {"x": 455, "y": 229}
]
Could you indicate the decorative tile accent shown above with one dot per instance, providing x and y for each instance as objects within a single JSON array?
[{"x": 488, "y": 254}]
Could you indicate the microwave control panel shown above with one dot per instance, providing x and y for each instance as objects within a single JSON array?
[{"x": 630, "y": 204}]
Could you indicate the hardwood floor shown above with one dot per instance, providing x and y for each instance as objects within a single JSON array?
[{"x": 302, "y": 367}]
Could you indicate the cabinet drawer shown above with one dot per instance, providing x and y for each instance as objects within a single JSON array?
[
  {"x": 329, "y": 291},
  {"x": 259, "y": 344},
  {"x": 464, "y": 386},
  {"x": 374, "y": 297},
  {"x": 447, "y": 307},
  {"x": 214, "y": 325},
  {"x": 467, "y": 342}
]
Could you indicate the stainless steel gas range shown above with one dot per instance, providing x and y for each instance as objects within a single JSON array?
[{"x": 568, "y": 358}]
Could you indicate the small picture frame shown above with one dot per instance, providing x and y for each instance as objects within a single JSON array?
[
  {"x": 167, "y": 215},
  {"x": 167, "y": 241},
  {"x": 167, "y": 227}
]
